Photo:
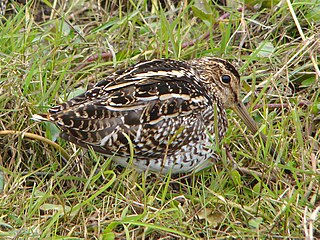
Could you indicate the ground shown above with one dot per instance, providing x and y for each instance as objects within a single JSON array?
[{"x": 53, "y": 50}]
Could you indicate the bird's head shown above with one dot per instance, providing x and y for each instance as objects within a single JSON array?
[{"x": 222, "y": 80}]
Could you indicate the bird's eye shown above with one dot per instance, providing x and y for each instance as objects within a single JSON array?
[{"x": 226, "y": 79}]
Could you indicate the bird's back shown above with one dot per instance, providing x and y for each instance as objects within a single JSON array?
[{"x": 160, "y": 105}]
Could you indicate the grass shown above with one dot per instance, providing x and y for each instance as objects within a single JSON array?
[{"x": 46, "y": 57}]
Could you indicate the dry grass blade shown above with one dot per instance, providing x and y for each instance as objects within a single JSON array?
[{"x": 33, "y": 136}]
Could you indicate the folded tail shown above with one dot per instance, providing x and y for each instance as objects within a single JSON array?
[{"x": 40, "y": 117}]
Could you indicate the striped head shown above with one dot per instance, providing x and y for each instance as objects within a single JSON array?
[
  {"x": 223, "y": 81},
  {"x": 220, "y": 78}
]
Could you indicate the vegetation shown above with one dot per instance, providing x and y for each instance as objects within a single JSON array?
[{"x": 53, "y": 189}]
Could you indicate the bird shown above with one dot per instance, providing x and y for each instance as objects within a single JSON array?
[{"x": 159, "y": 115}]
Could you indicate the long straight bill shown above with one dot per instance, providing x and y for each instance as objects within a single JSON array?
[{"x": 242, "y": 112}]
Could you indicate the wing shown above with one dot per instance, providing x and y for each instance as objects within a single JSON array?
[{"x": 148, "y": 102}]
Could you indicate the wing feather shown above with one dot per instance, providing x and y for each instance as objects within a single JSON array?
[{"x": 144, "y": 97}]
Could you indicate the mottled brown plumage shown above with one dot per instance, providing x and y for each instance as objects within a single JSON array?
[{"x": 167, "y": 108}]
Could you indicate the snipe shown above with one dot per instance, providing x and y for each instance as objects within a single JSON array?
[{"x": 166, "y": 108}]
